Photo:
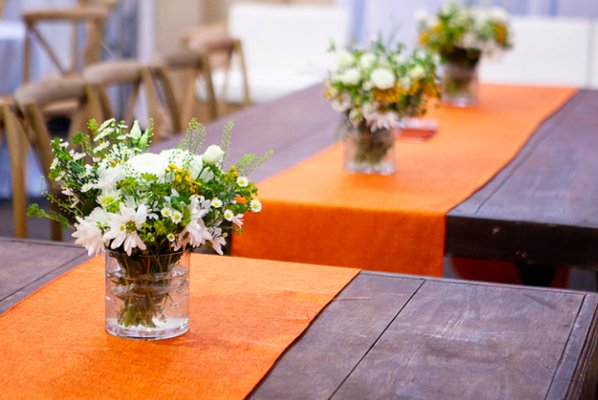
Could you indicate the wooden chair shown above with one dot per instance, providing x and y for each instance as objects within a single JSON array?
[
  {"x": 221, "y": 50},
  {"x": 35, "y": 99},
  {"x": 132, "y": 76},
  {"x": 12, "y": 132},
  {"x": 192, "y": 65},
  {"x": 2, "y": 7},
  {"x": 92, "y": 18}
]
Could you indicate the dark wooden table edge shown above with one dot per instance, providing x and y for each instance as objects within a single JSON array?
[{"x": 27, "y": 290}]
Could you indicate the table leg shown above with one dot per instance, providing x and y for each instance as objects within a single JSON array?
[{"x": 536, "y": 274}]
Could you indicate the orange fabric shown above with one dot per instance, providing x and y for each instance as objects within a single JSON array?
[
  {"x": 317, "y": 213},
  {"x": 244, "y": 313}
]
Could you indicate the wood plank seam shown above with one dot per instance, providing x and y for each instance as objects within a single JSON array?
[{"x": 377, "y": 339}]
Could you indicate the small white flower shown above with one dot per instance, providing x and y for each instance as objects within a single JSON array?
[
  {"x": 177, "y": 216},
  {"x": 229, "y": 215},
  {"x": 86, "y": 187},
  {"x": 216, "y": 202},
  {"x": 242, "y": 181},
  {"x": 166, "y": 212},
  {"x": 421, "y": 16},
  {"x": 171, "y": 237},
  {"x": 101, "y": 147},
  {"x": 68, "y": 192},
  {"x": 383, "y": 78},
  {"x": 76, "y": 156},
  {"x": 54, "y": 163},
  {"x": 255, "y": 205},
  {"x": 63, "y": 144},
  {"x": 183, "y": 159},
  {"x": 499, "y": 14},
  {"x": 217, "y": 240},
  {"x": 123, "y": 228}
]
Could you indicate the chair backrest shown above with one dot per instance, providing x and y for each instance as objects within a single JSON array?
[
  {"x": 133, "y": 80},
  {"x": 81, "y": 54},
  {"x": 546, "y": 51},
  {"x": 35, "y": 101},
  {"x": 188, "y": 66},
  {"x": 226, "y": 56},
  {"x": 2, "y": 7},
  {"x": 594, "y": 60},
  {"x": 297, "y": 38}
]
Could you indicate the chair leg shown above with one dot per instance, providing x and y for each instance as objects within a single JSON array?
[{"x": 17, "y": 148}]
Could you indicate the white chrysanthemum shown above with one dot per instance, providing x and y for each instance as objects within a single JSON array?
[
  {"x": 108, "y": 197},
  {"x": 216, "y": 202},
  {"x": 255, "y": 205},
  {"x": 166, "y": 212},
  {"x": 148, "y": 163},
  {"x": 171, "y": 237},
  {"x": 177, "y": 216},
  {"x": 344, "y": 59},
  {"x": 379, "y": 120},
  {"x": 198, "y": 233},
  {"x": 123, "y": 228},
  {"x": 470, "y": 41},
  {"x": 382, "y": 78},
  {"x": 213, "y": 155},
  {"x": 229, "y": 215},
  {"x": 350, "y": 77},
  {"x": 89, "y": 235},
  {"x": 242, "y": 181},
  {"x": 109, "y": 177}
]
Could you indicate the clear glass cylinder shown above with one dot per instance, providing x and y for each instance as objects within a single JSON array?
[
  {"x": 147, "y": 296},
  {"x": 460, "y": 85},
  {"x": 368, "y": 152}
]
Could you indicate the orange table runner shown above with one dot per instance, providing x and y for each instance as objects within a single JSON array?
[
  {"x": 244, "y": 314},
  {"x": 317, "y": 213}
]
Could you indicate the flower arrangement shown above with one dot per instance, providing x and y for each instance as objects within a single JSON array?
[
  {"x": 461, "y": 35},
  {"x": 379, "y": 86},
  {"x": 120, "y": 197},
  {"x": 146, "y": 210}
]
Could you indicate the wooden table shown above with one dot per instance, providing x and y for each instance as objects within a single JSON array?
[
  {"x": 540, "y": 210},
  {"x": 397, "y": 336}
]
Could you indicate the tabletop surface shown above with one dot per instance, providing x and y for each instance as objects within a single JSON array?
[
  {"x": 540, "y": 208},
  {"x": 389, "y": 336}
]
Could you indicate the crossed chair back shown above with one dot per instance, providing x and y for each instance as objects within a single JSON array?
[
  {"x": 135, "y": 78},
  {"x": 221, "y": 50},
  {"x": 92, "y": 18},
  {"x": 190, "y": 65},
  {"x": 11, "y": 130},
  {"x": 34, "y": 100}
]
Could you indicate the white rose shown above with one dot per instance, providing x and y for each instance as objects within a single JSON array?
[
  {"x": 148, "y": 163},
  {"x": 367, "y": 60},
  {"x": 417, "y": 72},
  {"x": 213, "y": 155},
  {"x": 383, "y": 78},
  {"x": 350, "y": 77},
  {"x": 184, "y": 160},
  {"x": 344, "y": 59}
]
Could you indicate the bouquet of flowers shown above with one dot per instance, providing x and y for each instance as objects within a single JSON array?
[
  {"x": 375, "y": 89},
  {"x": 461, "y": 35},
  {"x": 379, "y": 86},
  {"x": 146, "y": 209}
]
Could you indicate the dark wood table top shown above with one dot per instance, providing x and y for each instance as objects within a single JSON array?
[
  {"x": 542, "y": 208},
  {"x": 398, "y": 336}
]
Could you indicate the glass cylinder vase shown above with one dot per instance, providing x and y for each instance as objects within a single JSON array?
[
  {"x": 367, "y": 151},
  {"x": 147, "y": 296},
  {"x": 460, "y": 85}
]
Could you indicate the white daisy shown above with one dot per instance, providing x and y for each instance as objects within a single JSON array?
[
  {"x": 177, "y": 216},
  {"x": 216, "y": 202},
  {"x": 255, "y": 205},
  {"x": 242, "y": 181},
  {"x": 123, "y": 228},
  {"x": 229, "y": 215}
]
